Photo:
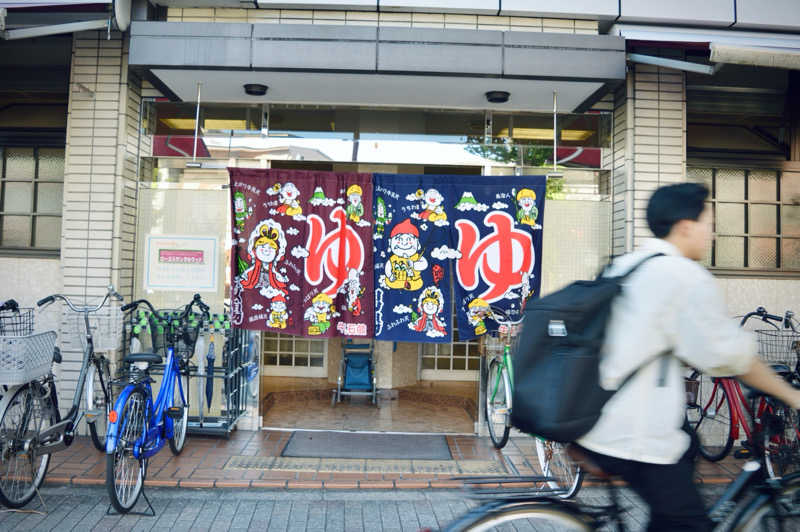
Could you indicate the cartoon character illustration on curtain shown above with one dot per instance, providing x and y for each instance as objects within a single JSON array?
[
  {"x": 289, "y": 196},
  {"x": 266, "y": 247},
  {"x": 278, "y": 315},
  {"x": 353, "y": 290},
  {"x": 477, "y": 311},
  {"x": 432, "y": 200},
  {"x": 429, "y": 305},
  {"x": 527, "y": 213},
  {"x": 405, "y": 265},
  {"x": 241, "y": 212},
  {"x": 320, "y": 314},
  {"x": 383, "y": 216},
  {"x": 355, "y": 209}
]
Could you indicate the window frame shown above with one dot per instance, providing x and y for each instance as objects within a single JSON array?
[
  {"x": 292, "y": 370},
  {"x": 53, "y": 138},
  {"x": 778, "y": 203}
]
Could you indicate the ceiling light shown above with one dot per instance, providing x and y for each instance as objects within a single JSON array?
[
  {"x": 255, "y": 89},
  {"x": 498, "y": 96}
]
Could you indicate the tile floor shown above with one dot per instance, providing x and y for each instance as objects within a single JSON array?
[
  {"x": 356, "y": 413},
  {"x": 211, "y": 462}
]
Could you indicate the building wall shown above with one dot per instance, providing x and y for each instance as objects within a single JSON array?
[
  {"x": 28, "y": 280},
  {"x": 98, "y": 231},
  {"x": 649, "y": 147},
  {"x": 373, "y": 18}
]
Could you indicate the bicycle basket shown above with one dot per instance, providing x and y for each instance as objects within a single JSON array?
[
  {"x": 105, "y": 326},
  {"x": 778, "y": 346},
  {"x": 16, "y": 322},
  {"x": 25, "y": 358},
  {"x": 496, "y": 340}
]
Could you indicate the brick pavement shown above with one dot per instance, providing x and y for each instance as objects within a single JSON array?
[
  {"x": 84, "y": 508},
  {"x": 204, "y": 459}
]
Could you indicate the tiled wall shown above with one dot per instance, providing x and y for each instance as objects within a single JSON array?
[
  {"x": 366, "y": 18},
  {"x": 97, "y": 246},
  {"x": 649, "y": 143}
]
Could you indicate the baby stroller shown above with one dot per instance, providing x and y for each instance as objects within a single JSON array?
[{"x": 356, "y": 372}]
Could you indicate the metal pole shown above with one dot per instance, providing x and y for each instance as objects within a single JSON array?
[
  {"x": 196, "y": 122},
  {"x": 555, "y": 130}
]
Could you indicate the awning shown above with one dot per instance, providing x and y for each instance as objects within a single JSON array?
[
  {"x": 359, "y": 65},
  {"x": 776, "y": 50}
]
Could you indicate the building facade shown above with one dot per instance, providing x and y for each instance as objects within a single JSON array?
[{"x": 113, "y": 136}]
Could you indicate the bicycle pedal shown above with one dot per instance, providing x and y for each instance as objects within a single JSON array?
[
  {"x": 742, "y": 454},
  {"x": 174, "y": 412},
  {"x": 502, "y": 411}
]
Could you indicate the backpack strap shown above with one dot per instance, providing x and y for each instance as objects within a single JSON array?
[
  {"x": 662, "y": 373},
  {"x": 636, "y": 267}
]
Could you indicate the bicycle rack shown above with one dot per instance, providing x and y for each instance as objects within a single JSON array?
[{"x": 152, "y": 513}]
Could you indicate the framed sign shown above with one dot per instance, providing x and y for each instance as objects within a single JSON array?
[{"x": 184, "y": 263}]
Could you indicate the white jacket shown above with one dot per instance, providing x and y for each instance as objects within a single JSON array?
[{"x": 671, "y": 302}]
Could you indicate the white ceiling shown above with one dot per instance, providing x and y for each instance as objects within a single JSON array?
[{"x": 376, "y": 89}]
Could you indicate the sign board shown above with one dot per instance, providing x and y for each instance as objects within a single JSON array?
[{"x": 184, "y": 263}]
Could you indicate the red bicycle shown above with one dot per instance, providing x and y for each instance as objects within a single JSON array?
[{"x": 717, "y": 408}]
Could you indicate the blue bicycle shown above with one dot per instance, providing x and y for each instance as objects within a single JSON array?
[{"x": 138, "y": 427}]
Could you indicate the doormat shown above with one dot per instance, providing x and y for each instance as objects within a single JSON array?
[{"x": 360, "y": 445}]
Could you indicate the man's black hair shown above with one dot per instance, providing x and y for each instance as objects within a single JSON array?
[{"x": 674, "y": 203}]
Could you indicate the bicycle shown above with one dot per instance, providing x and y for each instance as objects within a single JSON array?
[
  {"x": 717, "y": 416},
  {"x": 753, "y": 501},
  {"x": 499, "y": 378},
  {"x": 31, "y": 428},
  {"x": 564, "y": 476},
  {"x": 138, "y": 426}
]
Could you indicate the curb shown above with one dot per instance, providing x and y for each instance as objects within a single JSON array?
[{"x": 398, "y": 484}]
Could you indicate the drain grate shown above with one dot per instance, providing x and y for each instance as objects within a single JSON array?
[{"x": 328, "y": 465}]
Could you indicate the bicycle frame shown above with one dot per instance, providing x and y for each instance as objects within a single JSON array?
[
  {"x": 59, "y": 436},
  {"x": 154, "y": 438},
  {"x": 505, "y": 363}
]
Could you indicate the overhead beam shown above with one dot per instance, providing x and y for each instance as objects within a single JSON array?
[
  {"x": 676, "y": 64},
  {"x": 41, "y": 31}
]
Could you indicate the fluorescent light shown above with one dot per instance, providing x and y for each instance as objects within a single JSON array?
[{"x": 546, "y": 134}]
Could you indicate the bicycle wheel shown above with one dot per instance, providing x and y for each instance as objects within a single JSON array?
[
  {"x": 556, "y": 464},
  {"x": 179, "y": 426},
  {"x": 28, "y": 412},
  {"x": 523, "y": 515},
  {"x": 765, "y": 514},
  {"x": 498, "y": 404},
  {"x": 124, "y": 472},
  {"x": 96, "y": 405},
  {"x": 711, "y": 419},
  {"x": 781, "y": 442}
]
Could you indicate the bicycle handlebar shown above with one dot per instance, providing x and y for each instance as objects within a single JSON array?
[
  {"x": 196, "y": 300},
  {"x": 85, "y": 308},
  {"x": 495, "y": 312},
  {"x": 765, "y": 316}
]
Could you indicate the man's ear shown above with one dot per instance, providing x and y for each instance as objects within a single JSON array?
[{"x": 681, "y": 228}]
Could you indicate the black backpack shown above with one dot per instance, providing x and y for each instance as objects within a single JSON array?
[{"x": 557, "y": 393}]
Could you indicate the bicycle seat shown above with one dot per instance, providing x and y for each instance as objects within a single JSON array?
[{"x": 150, "y": 358}]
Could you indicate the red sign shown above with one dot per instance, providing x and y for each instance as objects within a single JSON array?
[{"x": 180, "y": 256}]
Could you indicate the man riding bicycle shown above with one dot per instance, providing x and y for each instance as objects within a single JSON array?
[{"x": 670, "y": 305}]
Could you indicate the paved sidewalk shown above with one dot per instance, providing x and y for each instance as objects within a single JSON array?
[
  {"x": 214, "y": 462},
  {"x": 84, "y": 508}
]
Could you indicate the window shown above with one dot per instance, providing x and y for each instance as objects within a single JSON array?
[
  {"x": 294, "y": 356},
  {"x": 457, "y": 360},
  {"x": 756, "y": 218},
  {"x": 32, "y": 180}
]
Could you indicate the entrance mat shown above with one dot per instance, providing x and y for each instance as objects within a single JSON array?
[
  {"x": 340, "y": 465},
  {"x": 360, "y": 445}
]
